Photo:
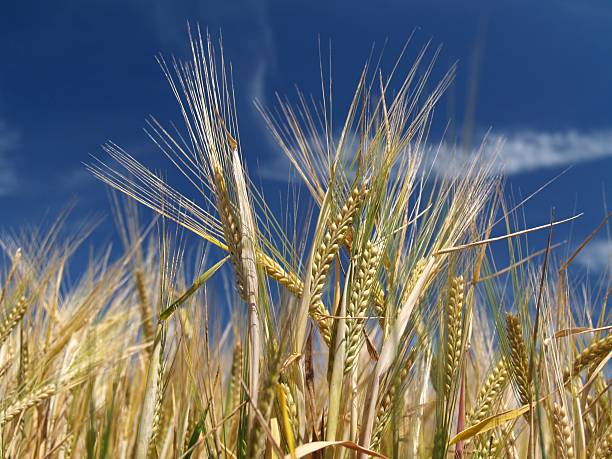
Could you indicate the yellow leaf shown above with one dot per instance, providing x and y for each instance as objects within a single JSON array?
[
  {"x": 489, "y": 423},
  {"x": 309, "y": 448}
]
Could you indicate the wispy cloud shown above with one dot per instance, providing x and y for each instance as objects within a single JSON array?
[
  {"x": 9, "y": 139},
  {"x": 278, "y": 169},
  {"x": 596, "y": 256},
  {"x": 512, "y": 153},
  {"x": 527, "y": 151}
]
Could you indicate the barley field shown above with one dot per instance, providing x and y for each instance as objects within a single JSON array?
[{"x": 371, "y": 318}]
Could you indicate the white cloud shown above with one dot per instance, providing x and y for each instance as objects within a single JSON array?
[
  {"x": 8, "y": 141},
  {"x": 278, "y": 169},
  {"x": 596, "y": 256},
  {"x": 513, "y": 153},
  {"x": 526, "y": 151}
]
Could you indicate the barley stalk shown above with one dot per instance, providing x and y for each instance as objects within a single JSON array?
[
  {"x": 390, "y": 348},
  {"x": 235, "y": 389},
  {"x": 337, "y": 370},
  {"x": 24, "y": 366}
]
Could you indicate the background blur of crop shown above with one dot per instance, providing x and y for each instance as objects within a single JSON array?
[{"x": 77, "y": 73}]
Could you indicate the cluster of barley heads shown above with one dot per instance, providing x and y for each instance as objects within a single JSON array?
[{"x": 372, "y": 320}]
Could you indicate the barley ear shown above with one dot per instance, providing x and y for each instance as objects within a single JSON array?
[
  {"x": 454, "y": 329},
  {"x": 591, "y": 355},
  {"x": 248, "y": 238},
  {"x": 34, "y": 399},
  {"x": 145, "y": 308},
  {"x": 604, "y": 449},
  {"x": 386, "y": 405},
  {"x": 562, "y": 432},
  {"x": 328, "y": 248},
  {"x": 146, "y": 423},
  {"x": 258, "y": 434},
  {"x": 12, "y": 319},
  {"x": 364, "y": 276},
  {"x": 289, "y": 408},
  {"x": 518, "y": 358},
  {"x": 491, "y": 391},
  {"x": 231, "y": 229},
  {"x": 287, "y": 279},
  {"x": 157, "y": 410}
]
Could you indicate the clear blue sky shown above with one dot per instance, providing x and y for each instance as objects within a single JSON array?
[{"x": 75, "y": 74}]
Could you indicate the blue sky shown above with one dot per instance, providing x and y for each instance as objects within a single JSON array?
[{"x": 78, "y": 73}]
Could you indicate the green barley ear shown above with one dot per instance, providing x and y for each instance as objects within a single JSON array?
[
  {"x": 518, "y": 358},
  {"x": 389, "y": 399},
  {"x": 289, "y": 408},
  {"x": 157, "y": 410},
  {"x": 144, "y": 307},
  {"x": 562, "y": 433},
  {"x": 258, "y": 435},
  {"x": 454, "y": 332},
  {"x": 24, "y": 356},
  {"x": 12, "y": 319},
  {"x": 235, "y": 388},
  {"x": 234, "y": 392},
  {"x": 148, "y": 423},
  {"x": 192, "y": 435},
  {"x": 364, "y": 277},
  {"x": 490, "y": 392},
  {"x": 336, "y": 228}
]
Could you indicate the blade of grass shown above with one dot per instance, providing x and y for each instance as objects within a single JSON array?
[{"x": 199, "y": 282}]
